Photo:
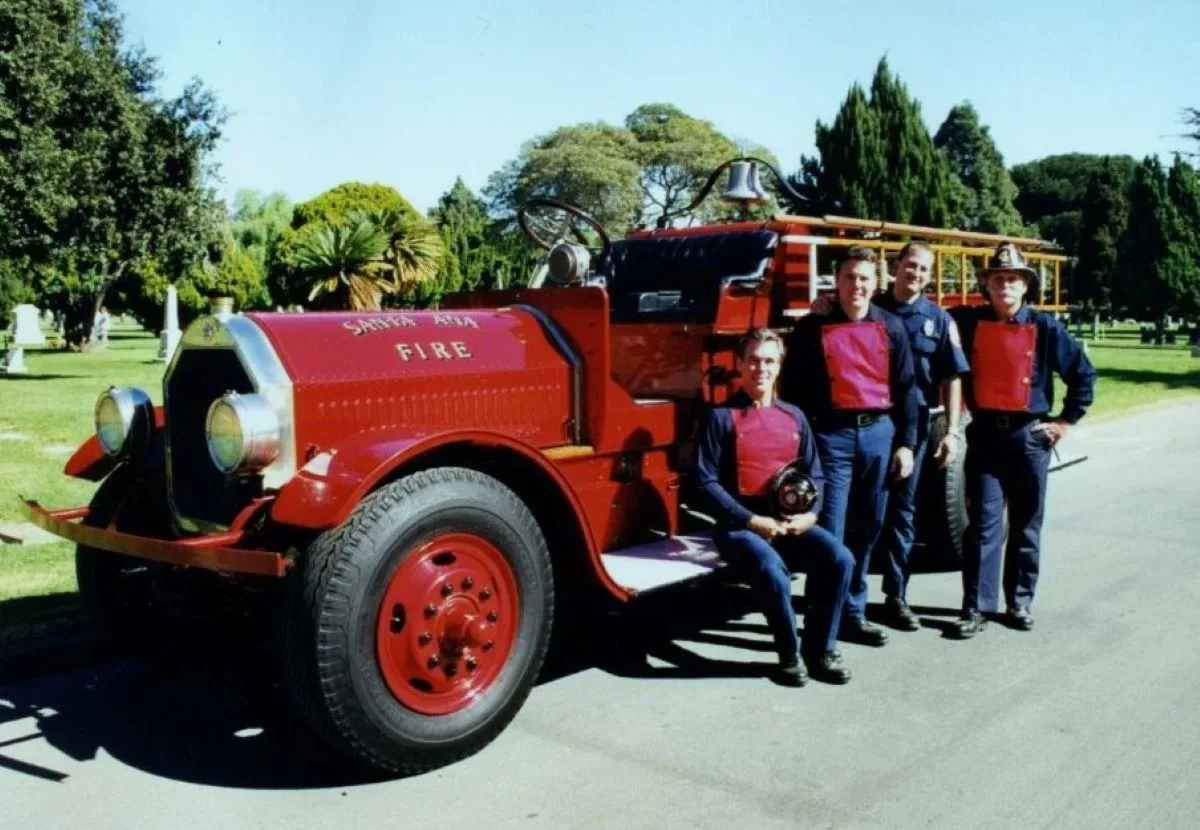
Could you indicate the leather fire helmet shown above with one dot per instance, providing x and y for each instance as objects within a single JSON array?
[{"x": 791, "y": 491}]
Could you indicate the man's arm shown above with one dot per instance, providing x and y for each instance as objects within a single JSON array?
[
  {"x": 1071, "y": 361},
  {"x": 727, "y": 510}
]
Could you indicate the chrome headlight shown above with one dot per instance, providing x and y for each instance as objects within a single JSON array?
[
  {"x": 242, "y": 433},
  {"x": 124, "y": 419}
]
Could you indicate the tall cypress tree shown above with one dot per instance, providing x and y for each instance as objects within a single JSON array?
[
  {"x": 1105, "y": 216},
  {"x": 463, "y": 221},
  {"x": 1183, "y": 190},
  {"x": 985, "y": 202},
  {"x": 1146, "y": 254},
  {"x": 876, "y": 160}
]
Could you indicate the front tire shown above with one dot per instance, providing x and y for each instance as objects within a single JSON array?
[{"x": 415, "y": 630}]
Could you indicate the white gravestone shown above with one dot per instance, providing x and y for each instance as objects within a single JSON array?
[
  {"x": 14, "y": 361},
  {"x": 170, "y": 333},
  {"x": 27, "y": 330}
]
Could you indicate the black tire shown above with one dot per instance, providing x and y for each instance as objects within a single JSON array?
[
  {"x": 942, "y": 500},
  {"x": 148, "y": 608},
  {"x": 334, "y": 678}
]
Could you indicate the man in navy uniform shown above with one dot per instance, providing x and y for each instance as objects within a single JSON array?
[
  {"x": 938, "y": 360},
  {"x": 851, "y": 372},
  {"x": 1014, "y": 352},
  {"x": 744, "y": 444}
]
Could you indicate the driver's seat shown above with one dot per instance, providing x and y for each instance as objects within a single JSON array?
[{"x": 678, "y": 278}]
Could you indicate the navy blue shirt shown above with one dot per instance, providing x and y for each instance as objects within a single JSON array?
[
  {"x": 716, "y": 460},
  {"x": 1056, "y": 352},
  {"x": 805, "y": 382},
  {"x": 937, "y": 354}
]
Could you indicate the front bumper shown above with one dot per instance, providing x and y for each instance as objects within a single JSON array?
[{"x": 213, "y": 552}]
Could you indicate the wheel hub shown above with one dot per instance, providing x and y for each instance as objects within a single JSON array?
[{"x": 447, "y": 623}]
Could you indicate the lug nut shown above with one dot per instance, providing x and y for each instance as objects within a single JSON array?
[
  {"x": 486, "y": 593},
  {"x": 471, "y": 664},
  {"x": 493, "y": 616},
  {"x": 488, "y": 645},
  {"x": 451, "y": 670},
  {"x": 468, "y": 583},
  {"x": 430, "y": 610},
  {"x": 425, "y": 638},
  {"x": 447, "y": 589},
  {"x": 434, "y": 661}
]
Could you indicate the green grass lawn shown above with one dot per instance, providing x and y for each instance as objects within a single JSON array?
[{"x": 45, "y": 414}]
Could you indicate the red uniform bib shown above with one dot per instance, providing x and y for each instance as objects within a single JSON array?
[
  {"x": 857, "y": 357},
  {"x": 1002, "y": 365},
  {"x": 767, "y": 438}
]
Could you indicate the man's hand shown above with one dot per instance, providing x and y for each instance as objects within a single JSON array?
[
  {"x": 1057, "y": 429},
  {"x": 800, "y": 523},
  {"x": 766, "y": 527},
  {"x": 947, "y": 450},
  {"x": 821, "y": 306},
  {"x": 902, "y": 463}
]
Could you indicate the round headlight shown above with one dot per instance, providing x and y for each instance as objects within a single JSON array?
[
  {"x": 242, "y": 433},
  {"x": 124, "y": 419}
]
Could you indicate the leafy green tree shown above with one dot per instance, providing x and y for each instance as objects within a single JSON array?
[
  {"x": 1103, "y": 220},
  {"x": 463, "y": 221},
  {"x": 413, "y": 249},
  {"x": 591, "y": 165},
  {"x": 1183, "y": 191},
  {"x": 982, "y": 185},
  {"x": 123, "y": 173},
  {"x": 1151, "y": 260},
  {"x": 676, "y": 154}
]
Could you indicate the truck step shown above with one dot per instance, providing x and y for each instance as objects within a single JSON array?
[{"x": 667, "y": 561}]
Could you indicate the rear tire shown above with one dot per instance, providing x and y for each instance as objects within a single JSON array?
[{"x": 413, "y": 632}]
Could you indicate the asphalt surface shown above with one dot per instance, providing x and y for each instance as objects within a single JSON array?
[{"x": 1089, "y": 721}]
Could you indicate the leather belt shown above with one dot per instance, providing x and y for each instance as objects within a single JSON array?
[
  {"x": 1005, "y": 420},
  {"x": 847, "y": 419}
]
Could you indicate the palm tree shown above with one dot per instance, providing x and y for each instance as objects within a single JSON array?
[
  {"x": 413, "y": 249},
  {"x": 346, "y": 261}
]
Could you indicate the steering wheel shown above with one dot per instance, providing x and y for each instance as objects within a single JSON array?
[{"x": 547, "y": 230}]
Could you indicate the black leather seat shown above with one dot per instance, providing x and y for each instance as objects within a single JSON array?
[{"x": 678, "y": 278}]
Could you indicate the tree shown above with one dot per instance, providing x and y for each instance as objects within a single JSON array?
[
  {"x": 876, "y": 160},
  {"x": 343, "y": 263},
  {"x": 413, "y": 249},
  {"x": 1183, "y": 191},
  {"x": 676, "y": 154},
  {"x": 985, "y": 198},
  {"x": 1191, "y": 120},
  {"x": 591, "y": 165},
  {"x": 1103, "y": 220},
  {"x": 1152, "y": 259},
  {"x": 463, "y": 221},
  {"x": 101, "y": 175}
]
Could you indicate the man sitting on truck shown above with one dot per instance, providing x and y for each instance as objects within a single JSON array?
[{"x": 744, "y": 444}]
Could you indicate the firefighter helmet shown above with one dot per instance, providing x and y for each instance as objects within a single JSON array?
[
  {"x": 792, "y": 491},
  {"x": 1007, "y": 257}
]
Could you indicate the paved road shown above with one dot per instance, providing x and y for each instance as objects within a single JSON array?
[{"x": 1091, "y": 721}]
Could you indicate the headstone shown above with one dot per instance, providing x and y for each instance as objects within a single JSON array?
[
  {"x": 27, "y": 330},
  {"x": 170, "y": 333},
  {"x": 14, "y": 361}
]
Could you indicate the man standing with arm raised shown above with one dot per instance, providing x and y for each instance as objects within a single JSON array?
[{"x": 851, "y": 371}]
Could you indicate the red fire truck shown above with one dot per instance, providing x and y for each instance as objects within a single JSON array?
[{"x": 416, "y": 492}]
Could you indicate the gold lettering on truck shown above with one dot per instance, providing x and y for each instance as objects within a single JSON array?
[{"x": 457, "y": 351}]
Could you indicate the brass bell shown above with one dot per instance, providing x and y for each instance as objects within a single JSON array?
[{"x": 743, "y": 183}]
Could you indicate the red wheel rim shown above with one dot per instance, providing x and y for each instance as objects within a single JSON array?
[{"x": 447, "y": 624}]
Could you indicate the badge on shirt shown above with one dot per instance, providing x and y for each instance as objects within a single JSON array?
[{"x": 928, "y": 327}]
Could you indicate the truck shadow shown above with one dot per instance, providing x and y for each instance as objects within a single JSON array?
[{"x": 218, "y": 719}]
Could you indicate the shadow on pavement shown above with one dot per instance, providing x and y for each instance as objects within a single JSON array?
[{"x": 220, "y": 719}]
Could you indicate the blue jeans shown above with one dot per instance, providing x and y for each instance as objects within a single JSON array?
[
  {"x": 855, "y": 461},
  {"x": 768, "y": 570},
  {"x": 900, "y": 527},
  {"x": 1004, "y": 465}
]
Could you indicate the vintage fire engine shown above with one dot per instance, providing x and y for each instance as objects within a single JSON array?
[{"x": 417, "y": 493}]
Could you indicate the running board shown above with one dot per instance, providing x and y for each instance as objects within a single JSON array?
[{"x": 663, "y": 562}]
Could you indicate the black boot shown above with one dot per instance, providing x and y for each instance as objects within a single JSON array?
[
  {"x": 828, "y": 668},
  {"x": 1019, "y": 618},
  {"x": 900, "y": 615},
  {"x": 855, "y": 630},
  {"x": 970, "y": 623},
  {"x": 790, "y": 673}
]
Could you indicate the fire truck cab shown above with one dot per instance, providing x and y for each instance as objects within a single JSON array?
[{"x": 417, "y": 495}]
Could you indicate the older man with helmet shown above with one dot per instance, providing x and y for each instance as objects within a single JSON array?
[{"x": 1014, "y": 352}]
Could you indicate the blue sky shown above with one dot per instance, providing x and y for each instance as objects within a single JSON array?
[{"x": 413, "y": 93}]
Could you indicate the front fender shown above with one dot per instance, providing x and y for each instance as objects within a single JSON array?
[
  {"x": 326, "y": 490},
  {"x": 91, "y": 463}
]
